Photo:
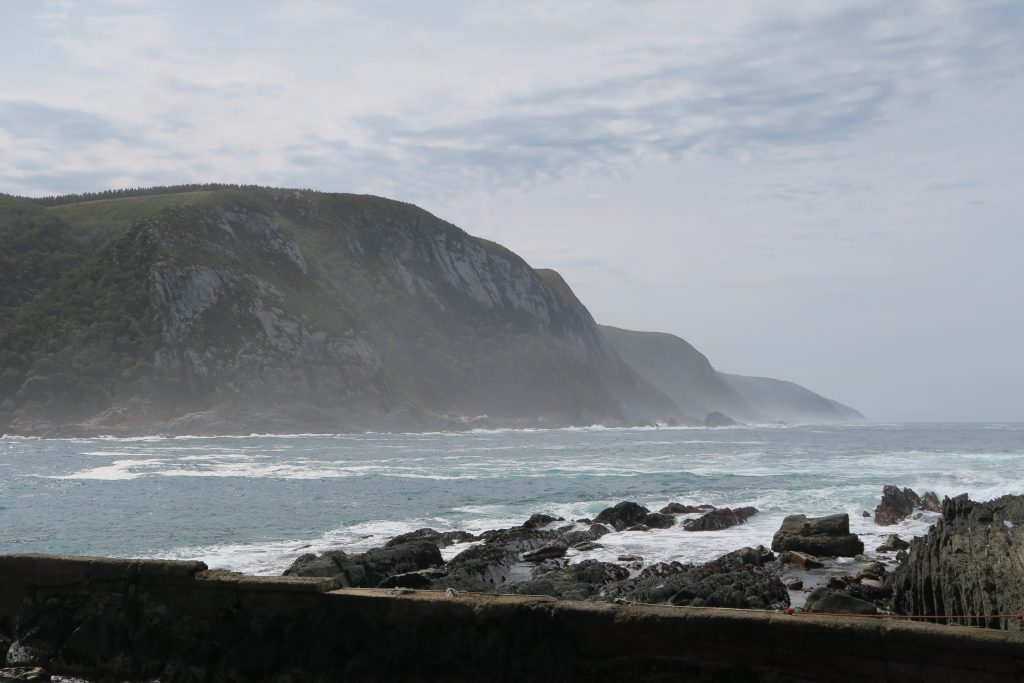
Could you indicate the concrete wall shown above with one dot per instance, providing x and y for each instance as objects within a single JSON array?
[{"x": 139, "y": 620}]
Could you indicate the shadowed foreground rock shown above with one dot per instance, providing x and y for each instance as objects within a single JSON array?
[
  {"x": 828, "y": 536},
  {"x": 970, "y": 565},
  {"x": 132, "y": 620}
]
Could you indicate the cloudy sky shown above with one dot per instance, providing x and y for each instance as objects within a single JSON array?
[{"x": 827, "y": 192}]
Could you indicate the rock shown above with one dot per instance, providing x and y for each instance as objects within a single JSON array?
[
  {"x": 443, "y": 539},
  {"x": 969, "y": 563},
  {"x": 662, "y": 569},
  {"x": 598, "y": 530},
  {"x": 823, "y": 600},
  {"x": 538, "y": 520},
  {"x": 756, "y": 556},
  {"x": 801, "y": 560},
  {"x": 486, "y": 566},
  {"x": 837, "y": 583},
  {"x": 680, "y": 509},
  {"x": 896, "y": 505},
  {"x": 865, "y": 514},
  {"x": 574, "y": 582},
  {"x": 370, "y": 568},
  {"x": 623, "y": 515},
  {"x": 717, "y": 419},
  {"x": 639, "y": 527},
  {"x": 795, "y": 585},
  {"x": 930, "y": 502},
  {"x": 719, "y": 519},
  {"x": 21, "y": 655},
  {"x": 549, "y": 552},
  {"x": 875, "y": 570},
  {"x": 587, "y": 545},
  {"x": 23, "y": 674},
  {"x": 826, "y": 536},
  {"x": 659, "y": 520},
  {"x": 725, "y": 582},
  {"x": 630, "y": 558},
  {"x": 892, "y": 543}
]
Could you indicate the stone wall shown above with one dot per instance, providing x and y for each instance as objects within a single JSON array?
[{"x": 176, "y": 621}]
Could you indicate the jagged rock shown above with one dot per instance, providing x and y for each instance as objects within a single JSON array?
[
  {"x": 800, "y": 560},
  {"x": 717, "y": 419},
  {"x": 587, "y": 545},
  {"x": 896, "y": 505},
  {"x": 719, "y": 519},
  {"x": 485, "y": 567},
  {"x": 538, "y": 520},
  {"x": 662, "y": 569},
  {"x": 574, "y": 582},
  {"x": 549, "y": 552},
  {"x": 623, "y": 515},
  {"x": 680, "y": 509},
  {"x": 865, "y": 514},
  {"x": 370, "y": 568},
  {"x": 443, "y": 539},
  {"x": 826, "y": 536},
  {"x": 726, "y": 582},
  {"x": 971, "y": 562},
  {"x": 659, "y": 520},
  {"x": 892, "y": 543},
  {"x": 834, "y": 602},
  {"x": 930, "y": 502}
]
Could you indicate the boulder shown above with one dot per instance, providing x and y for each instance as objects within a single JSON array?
[
  {"x": 892, "y": 543},
  {"x": 659, "y": 520},
  {"x": 969, "y": 563},
  {"x": 800, "y": 560},
  {"x": 719, "y": 519},
  {"x": 574, "y": 582},
  {"x": 587, "y": 545},
  {"x": 370, "y": 568},
  {"x": 443, "y": 539},
  {"x": 549, "y": 552},
  {"x": 623, "y": 515},
  {"x": 680, "y": 509},
  {"x": 538, "y": 520},
  {"x": 728, "y": 581},
  {"x": 824, "y": 600},
  {"x": 896, "y": 505},
  {"x": 825, "y": 536}
]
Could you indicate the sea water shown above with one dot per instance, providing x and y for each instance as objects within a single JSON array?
[{"x": 255, "y": 503}]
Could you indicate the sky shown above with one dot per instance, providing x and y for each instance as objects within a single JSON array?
[{"x": 825, "y": 192}]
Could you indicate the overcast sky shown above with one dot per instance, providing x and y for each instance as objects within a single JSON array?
[{"x": 823, "y": 191}]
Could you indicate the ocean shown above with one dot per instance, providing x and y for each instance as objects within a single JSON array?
[{"x": 254, "y": 503}]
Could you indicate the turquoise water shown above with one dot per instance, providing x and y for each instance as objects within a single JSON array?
[{"x": 254, "y": 503}]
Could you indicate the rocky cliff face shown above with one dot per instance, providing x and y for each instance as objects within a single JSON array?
[
  {"x": 686, "y": 376},
  {"x": 969, "y": 567},
  {"x": 238, "y": 310}
]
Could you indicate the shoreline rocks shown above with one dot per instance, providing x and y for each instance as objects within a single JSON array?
[
  {"x": 829, "y": 536},
  {"x": 896, "y": 505},
  {"x": 719, "y": 519}
]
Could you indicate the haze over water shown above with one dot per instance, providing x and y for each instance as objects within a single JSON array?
[{"x": 255, "y": 503}]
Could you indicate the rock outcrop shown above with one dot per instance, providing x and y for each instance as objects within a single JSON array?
[
  {"x": 896, "y": 505},
  {"x": 828, "y": 536},
  {"x": 969, "y": 568},
  {"x": 719, "y": 519},
  {"x": 370, "y": 568}
]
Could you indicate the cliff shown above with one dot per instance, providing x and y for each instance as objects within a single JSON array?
[
  {"x": 686, "y": 376},
  {"x": 218, "y": 309}
]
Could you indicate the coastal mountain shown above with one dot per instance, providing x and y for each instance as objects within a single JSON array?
[
  {"x": 223, "y": 310},
  {"x": 226, "y": 309},
  {"x": 686, "y": 376}
]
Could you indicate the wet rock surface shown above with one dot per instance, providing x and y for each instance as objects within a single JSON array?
[
  {"x": 896, "y": 504},
  {"x": 719, "y": 519},
  {"x": 370, "y": 568},
  {"x": 970, "y": 565},
  {"x": 828, "y": 536}
]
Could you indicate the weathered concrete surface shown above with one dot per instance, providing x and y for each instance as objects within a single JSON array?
[{"x": 139, "y": 620}]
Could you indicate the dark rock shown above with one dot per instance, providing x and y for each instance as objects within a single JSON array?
[
  {"x": 584, "y": 520},
  {"x": 823, "y": 600},
  {"x": 370, "y": 568},
  {"x": 598, "y": 530},
  {"x": 837, "y": 583},
  {"x": 875, "y": 570},
  {"x": 587, "y": 545},
  {"x": 639, "y": 527},
  {"x": 443, "y": 539},
  {"x": 574, "y": 582},
  {"x": 486, "y": 566},
  {"x": 725, "y": 582},
  {"x": 756, "y": 556},
  {"x": 623, "y": 515},
  {"x": 662, "y": 569},
  {"x": 865, "y": 514},
  {"x": 20, "y": 654},
  {"x": 680, "y": 509},
  {"x": 827, "y": 536},
  {"x": 549, "y": 552},
  {"x": 930, "y": 502},
  {"x": 659, "y": 520},
  {"x": 795, "y": 585},
  {"x": 717, "y": 419},
  {"x": 538, "y": 520},
  {"x": 892, "y": 543},
  {"x": 969, "y": 563},
  {"x": 719, "y": 519},
  {"x": 630, "y": 558},
  {"x": 896, "y": 505},
  {"x": 5, "y": 645}
]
